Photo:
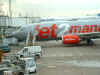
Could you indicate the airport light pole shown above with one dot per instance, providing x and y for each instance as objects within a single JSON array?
[{"x": 10, "y": 12}]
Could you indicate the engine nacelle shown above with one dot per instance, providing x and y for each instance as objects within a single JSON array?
[{"x": 70, "y": 39}]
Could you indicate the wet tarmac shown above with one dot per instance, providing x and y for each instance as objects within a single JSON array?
[
  {"x": 83, "y": 60},
  {"x": 59, "y": 59}
]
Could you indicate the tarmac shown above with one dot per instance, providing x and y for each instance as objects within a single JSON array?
[{"x": 59, "y": 59}]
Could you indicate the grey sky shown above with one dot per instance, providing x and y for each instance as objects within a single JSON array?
[{"x": 53, "y": 7}]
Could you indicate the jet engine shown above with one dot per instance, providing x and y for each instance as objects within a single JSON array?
[{"x": 70, "y": 39}]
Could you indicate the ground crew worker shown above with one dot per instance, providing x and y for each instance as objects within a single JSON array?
[{"x": 1, "y": 54}]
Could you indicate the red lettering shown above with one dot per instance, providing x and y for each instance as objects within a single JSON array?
[
  {"x": 53, "y": 27},
  {"x": 79, "y": 28},
  {"x": 98, "y": 29},
  {"x": 44, "y": 32},
  {"x": 91, "y": 28},
  {"x": 75, "y": 29},
  {"x": 95, "y": 28},
  {"x": 71, "y": 29},
  {"x": 86, "y": 28},
  {"x": 82, "y": 29}
]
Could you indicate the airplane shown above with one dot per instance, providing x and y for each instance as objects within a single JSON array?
[
  {"x": 69, "y": 18},
  {"x": 70, "y": 32}
]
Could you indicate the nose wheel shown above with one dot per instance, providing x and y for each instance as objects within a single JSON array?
[{"x": 90, "y": 42}]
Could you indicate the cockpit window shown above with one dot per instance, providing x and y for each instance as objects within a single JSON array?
[{"x": 21, "y": 29}]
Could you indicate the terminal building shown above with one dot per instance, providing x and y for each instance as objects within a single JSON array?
[{"x": 7, "y": 24}]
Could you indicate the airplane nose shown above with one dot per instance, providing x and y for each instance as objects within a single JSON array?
[
  {"x": 13, "y": 34},
  {"x": 10, "y": 35},
  {"x": 17, "y": 35}
]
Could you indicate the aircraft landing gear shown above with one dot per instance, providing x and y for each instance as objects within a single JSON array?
[{"x": 90, "y": 42}]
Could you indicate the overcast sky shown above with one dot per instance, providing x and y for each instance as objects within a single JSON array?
[{"x": 52, "y": 7}]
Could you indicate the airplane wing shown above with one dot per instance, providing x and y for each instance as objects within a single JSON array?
[{"x": 89, "y": 35}]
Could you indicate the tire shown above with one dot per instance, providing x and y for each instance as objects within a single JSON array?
[
  {"x": 20, "y": 73},
  {"x": 90, "y": 42},
  {"x": 35, "y": 71}
]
